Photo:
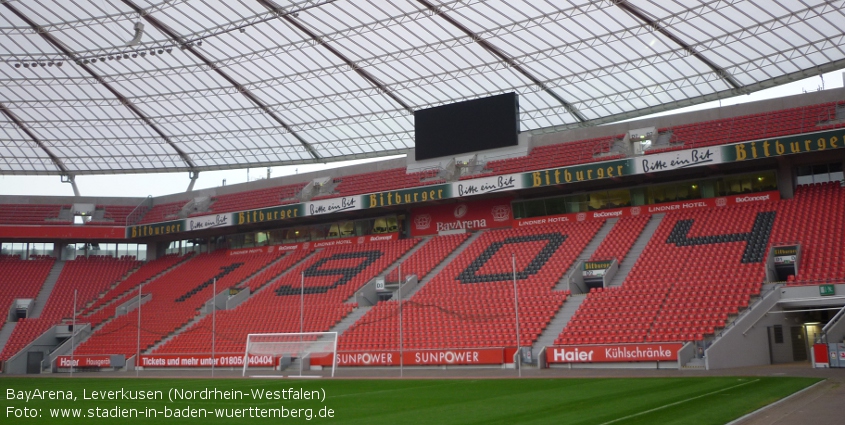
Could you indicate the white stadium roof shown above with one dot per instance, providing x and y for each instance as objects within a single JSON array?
[{"x": 133, "y": 86}]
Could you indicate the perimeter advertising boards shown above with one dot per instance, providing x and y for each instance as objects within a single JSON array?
[{"x": 608, "y": 353}]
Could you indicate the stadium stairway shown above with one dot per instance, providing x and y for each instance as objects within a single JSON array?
[
  {"x": 562, "y": 284},
  {"x": 350, "y": 318},
  {"x": 6, "y": 332},
  {"x": 394, "y": 266},
  {"x": 269, "y": 268},
  {"x": 446, "y": 261},
  {"x": 118, "y": 299},
  {"x": 117, "y": 283},
  {"x": 203, "y": 312},
  {"x": 637, "y": 249},
  {"x": 360, "y": 311},
  {"x": 47, "y": 289},
  {"x": 277, "y": 309},
  {"x": 547, "y": 338}
]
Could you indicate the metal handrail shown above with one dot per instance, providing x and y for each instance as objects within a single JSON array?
[{"x": 749, "y": 309}]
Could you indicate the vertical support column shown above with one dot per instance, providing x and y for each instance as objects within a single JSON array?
[{"x": 786, "y": 178}]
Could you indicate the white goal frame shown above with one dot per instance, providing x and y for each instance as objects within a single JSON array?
[{"x": 288, "y": 345}]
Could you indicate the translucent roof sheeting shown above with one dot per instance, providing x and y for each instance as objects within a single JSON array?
[{"x": 94, "y": 86}]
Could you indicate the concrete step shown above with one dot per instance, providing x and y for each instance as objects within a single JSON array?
[
  {"x": 47, "y": 289},
  {"x": 694, "y": 364},
  {"x": 636, "y": 250},
  {"x": 135, "y": 288},
  {"x": 454, "y": 254},
  {"x": 349, "y": 320},
  {"x": 559, "y": 321},
  {"x": 6, "y": 332},
  {"x": 201, "y": 313},
  {"x": 107, "y": 290}
]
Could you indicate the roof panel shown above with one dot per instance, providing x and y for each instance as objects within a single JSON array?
[{"x": 235, "y": 84}]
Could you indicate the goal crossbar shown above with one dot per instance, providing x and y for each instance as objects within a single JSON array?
[{"x": 299, "y": 345}]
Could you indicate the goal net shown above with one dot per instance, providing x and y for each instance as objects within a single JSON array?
[{"x": 296, "y": 351}]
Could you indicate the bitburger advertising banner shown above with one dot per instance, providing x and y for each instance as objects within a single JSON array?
[
  {"x": 579, "y": 173},
  {"x": 789, "y": 145},
  {"x": 407, "y": 196},
  {"x": 157, "y": 229},
  {"x": 596, "y": 268},
  {"x": 482, "y": 214},
  {"x": 608, "y": 353}
]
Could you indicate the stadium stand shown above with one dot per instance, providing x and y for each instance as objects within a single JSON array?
[
  {"x": 815, "y": 219},
  {"x": 274, "y": 270},
  {"x": 89, "y": 277},
  {"x": 750, "y": 127},
  {"x": 556, "y": 155},
  {"x": 113, "y": 215},
  {"x": 470, "y": 303},
  {"x": 252, "y": 199},
  {"x": 621, "y": 238},
  {"x": 377, "y": 181},
  {"x": 331, "y": 277},
  {"x": 31, "y": 214},
  {"x": 421, "y": 262},
  {"x": 21, "y": 278},
  {"x": 162, "y": 212},
  {"x": 103, "y": 308},
  {"x": 698, "y": 268},
  {"x": 176, "y": 297}
]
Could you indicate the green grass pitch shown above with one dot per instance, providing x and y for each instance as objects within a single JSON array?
[{"x": 707, "y": 400}]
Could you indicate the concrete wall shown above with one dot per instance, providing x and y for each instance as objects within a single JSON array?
[
  {"x": 45, "y": 343},
  {"x": 780, "y": 352},
  {"x": 132, "y": 304},
  {"x": 746, "y": 343},
  {"x": 366, "y": 296}
]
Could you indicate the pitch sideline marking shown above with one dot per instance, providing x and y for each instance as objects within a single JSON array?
[{"x": 678, "y": 402}]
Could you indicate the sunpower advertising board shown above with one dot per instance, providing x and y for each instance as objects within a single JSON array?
[{"x": 445, "y": 357}]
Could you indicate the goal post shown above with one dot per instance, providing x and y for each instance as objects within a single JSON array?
[{"x": 302, "y": 346}]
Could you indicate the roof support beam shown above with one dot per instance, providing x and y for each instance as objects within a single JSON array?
[
  {"x": 170, "y": 33},
  {"x": 123, "y": 99},
  {"x": 24, "y": 128},
  {"x": 504, "y": 57},
  {"x": 269, "y": 4},
  {"x": 639, "y": 14},
  {"x": 724, "y": 94}
]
